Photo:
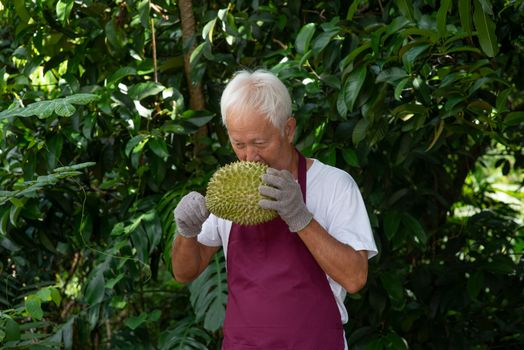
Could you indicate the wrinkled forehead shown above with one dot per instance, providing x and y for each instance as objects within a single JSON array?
[{"x": 245, "y": 113}]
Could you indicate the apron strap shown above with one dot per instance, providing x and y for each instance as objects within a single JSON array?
[{"x": 302, "y": 171}]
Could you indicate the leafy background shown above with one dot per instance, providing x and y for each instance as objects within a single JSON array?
[{"x": 109, "y": 114}]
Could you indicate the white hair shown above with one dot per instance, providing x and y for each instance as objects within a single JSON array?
[{"x": 259, "y": 90}]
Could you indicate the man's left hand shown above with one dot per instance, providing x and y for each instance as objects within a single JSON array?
[{"x": 288, "y": 201}]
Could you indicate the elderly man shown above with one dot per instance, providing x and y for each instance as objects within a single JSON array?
[{"x": 287, "y": 278}]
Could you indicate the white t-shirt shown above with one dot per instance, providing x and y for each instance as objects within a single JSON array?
[{"x": 333, "y": 197}]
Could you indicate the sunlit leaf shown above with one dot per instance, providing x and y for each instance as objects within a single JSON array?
[
  {"x": 63, "y": 10},
  {"x": 33, "y": 307},
  {"x": 142, "y": 90},
  {"x": 133, "y": 143},
  {"x": 207, "y": 31},
  {"x": 81, "y": 99},
  {"x": 304, "y": 38}
]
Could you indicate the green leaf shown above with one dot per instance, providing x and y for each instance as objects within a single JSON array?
[
  {"x": 350, "y": 157},
  {"x": 64, "y": 109},
  {"x": 110, "y": 284},
  {"x": 120, "y": 74},
  {"x": 465, "y": 16},
  {"x": 406, "y": 8},
  {"x": 63, "y": 10},
  {"x": 95, "y": 289},
  {"x": 342, "y": 107},
  {"x": 359, "y": 132},
  {"x": 209, "y": 294},
  {"x": 135, "y": 321},
  {"x": 197, "y": 52},
  {"x": 143, "y": 11},
  {"x": 442, "y": 13},
  {"x": 54, "y": 150},
  {"x": 415, "y": 228},
  {"x": 475, "y": 284},
  {"x": 391, "y": 224},
  {"x": 55, "y": 296},
  {"x": 354, "y": 83},
  {"x": 393, "y": 286},
  {"x": 14, "y": 213},
  {"x": 406, "y": 111},
  {"x": 304, "y": 38},
  {"x": 44, "y": 294},
  {"x": 81, "y": 99},
  {"x": 394, "y": 341},
  {"x": 4, "y": 220},
  {"x": 33, "y": 307},
  {"x": 159, "y": 147},
  {"x": 12, "y": 330},
  {"x": 323, "y": 40},
  {"x": 409, "y": 57},
  {"x": 208, "y": 30},
  {"x": 352, "y": 9},
  {"x": 73, "y": 167},
  {"x": 142, "y": 90},
  {"x": 391, "y": 75},
  {"x": 132, "y": 144},
  {"x": 21, "y": 11},
  {"x": 485, "y": 31},
  {"x": 514, "y": 118},
  {"x": 399, "y": 88},
  {"x": 351, "y": 57},
  {"x": 501, "y": 264}
]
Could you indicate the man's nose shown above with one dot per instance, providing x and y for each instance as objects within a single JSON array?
[{"x": 252, "y": 154}]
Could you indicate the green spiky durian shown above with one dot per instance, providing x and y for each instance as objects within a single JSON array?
[{"x": 232, "y": 193}]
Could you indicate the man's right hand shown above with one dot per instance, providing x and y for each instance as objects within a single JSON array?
[{"x": 190, "y": 214}]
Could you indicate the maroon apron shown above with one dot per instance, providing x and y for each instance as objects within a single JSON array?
[{"x": 279, "y": 297}]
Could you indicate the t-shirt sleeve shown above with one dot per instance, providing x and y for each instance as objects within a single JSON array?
[
  {"x": 349, "y": 221},
  {"x": 210, "y": 234}
]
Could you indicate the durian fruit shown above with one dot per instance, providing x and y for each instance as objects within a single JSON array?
[{"x": 232, "y": 193}]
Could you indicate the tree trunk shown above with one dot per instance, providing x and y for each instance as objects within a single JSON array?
[{"x": 196, "y": 95}]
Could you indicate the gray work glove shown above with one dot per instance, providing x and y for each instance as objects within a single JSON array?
[
  {"x": 190, "y": 214},
  {"x": 288, "y": 201}
]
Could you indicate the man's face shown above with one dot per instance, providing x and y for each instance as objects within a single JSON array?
[{"x": 254, "y": 138}]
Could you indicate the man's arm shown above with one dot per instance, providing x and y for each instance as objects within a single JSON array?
[
  {"x": 347, "y": 266},
  {"x": 341, "y": 262},
  {"x": 189, "y": 258}
]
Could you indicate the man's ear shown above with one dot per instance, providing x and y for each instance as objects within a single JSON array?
[{"x": 290, "y": 128}]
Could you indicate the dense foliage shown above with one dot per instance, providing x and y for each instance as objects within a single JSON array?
[{"x": 103, "y": 130}]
